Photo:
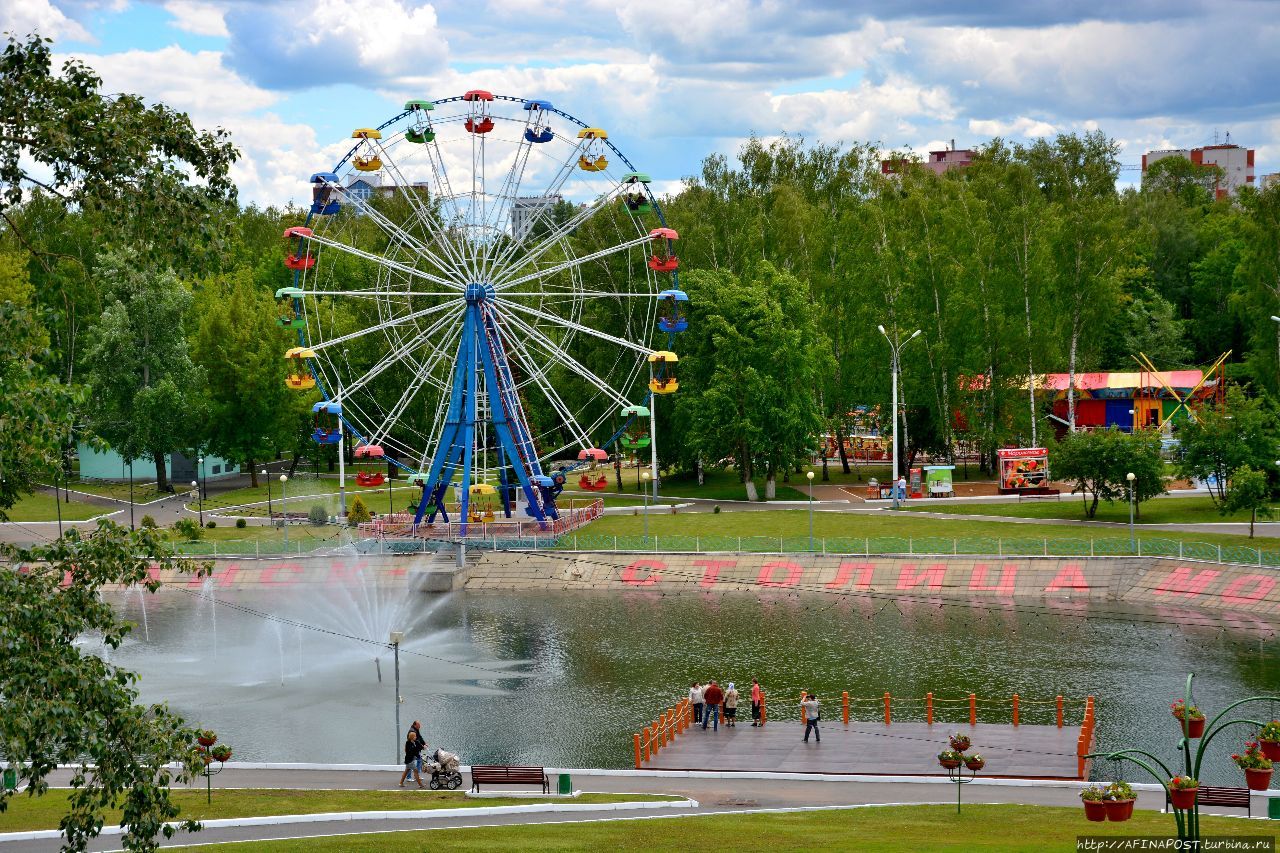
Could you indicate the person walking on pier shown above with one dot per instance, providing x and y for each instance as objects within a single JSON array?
[
  {"x": 416, "y": 728},
  {"x": 756, "y": 695},
  {"x": 711, "y": 710},
  {"x": 412, "y": 751},
  {"x": 731, "y": 706},
  {"x": 695, "y": 699},
  {"x": 812, "y": 714}
]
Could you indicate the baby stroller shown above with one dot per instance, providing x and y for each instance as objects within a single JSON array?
[{"x": 444, "y": 771}]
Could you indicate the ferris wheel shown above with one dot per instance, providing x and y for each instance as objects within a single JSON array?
[{"x": 484, "y": 286}]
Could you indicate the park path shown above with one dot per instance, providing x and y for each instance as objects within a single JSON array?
[{"x": 714, "y": 795}]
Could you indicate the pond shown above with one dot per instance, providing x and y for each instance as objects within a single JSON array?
[{"x": 563, "y": 679}]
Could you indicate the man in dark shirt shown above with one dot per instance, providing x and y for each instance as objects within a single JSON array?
[{"x": 712, "y": 699}]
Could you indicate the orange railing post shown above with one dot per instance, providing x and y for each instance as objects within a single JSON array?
[
  {"x": 1059, "y": 712},
  {"x": 886, "y": 708},
  {"x": 802, "y": 719},
  {"x": 844, "y": 700},
  {"x": 1015, "y": 709},
  {"x": 928, "y": 708},
  {"x": 764, "y": 709},
  {"x": 635, "y": 739},
  {"x": 647, "y": 738},
  {"x": 670, "y": 725},
  {"x": 973, "y": 709}
]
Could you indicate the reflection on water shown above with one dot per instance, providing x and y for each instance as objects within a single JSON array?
[{"x": 564, "y": 679}]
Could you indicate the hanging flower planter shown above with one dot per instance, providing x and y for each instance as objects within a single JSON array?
[
  {"x": 1194, "y": 718},
  {"x": 975, "y": 761},
  {"x": 960, "y": 742},
  {"x": 206, "y": 738},
  {"x": 1256, "y": 766},
  {"x": 950, "y": 759},
  {"x": 1119, "y": 802},
  {"x": 1269, "y": 740},
  {"x": 221, "y": 753},
  {"x": 1094, "y": 808},
  {"x": 1182, "y": 792}
]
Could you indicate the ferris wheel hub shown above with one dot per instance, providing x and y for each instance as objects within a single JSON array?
[{"x": 477, "y": 293}]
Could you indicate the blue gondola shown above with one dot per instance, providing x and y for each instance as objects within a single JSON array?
[
  {"x": 328, "y": 422},
  {"x": 673, "y": 318},
  {"x": 322, "y": 201}
]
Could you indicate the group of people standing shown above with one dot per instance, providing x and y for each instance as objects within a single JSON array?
[{"x": 708, "y": 700}]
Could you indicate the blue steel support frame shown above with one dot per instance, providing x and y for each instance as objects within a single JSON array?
[{"x": 480, "y": 350}]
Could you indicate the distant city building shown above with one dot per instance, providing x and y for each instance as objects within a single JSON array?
[
  {"x": 106, "y": 464},
  {"x": 524, "y": 212},
  {"x": 1235, "y": 162},
  {"x": 1269, "y": 181},
  {"x": 365, "y": 185},
  {"x": 937, "y": 162}
]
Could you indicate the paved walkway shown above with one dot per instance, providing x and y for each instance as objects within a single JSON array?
[{"x": 713, "y": 795}]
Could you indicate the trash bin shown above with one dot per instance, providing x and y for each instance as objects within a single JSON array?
[
  {"x": 10, "y": 779},
  {"x": 566, "y": 784},
  {"x": 1273, "y": 807}
]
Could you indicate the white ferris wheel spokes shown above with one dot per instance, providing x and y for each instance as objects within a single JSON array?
[{"x": 473, "y": 333}]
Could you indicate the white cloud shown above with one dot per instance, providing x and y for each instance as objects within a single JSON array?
[
  {"x": 1021, "y": 126},
  {"x": 22, "y": 17},
  {"x": 197, "y": 83},
  {"x": 196, "y": 16}
]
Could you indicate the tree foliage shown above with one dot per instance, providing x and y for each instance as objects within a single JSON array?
[
  {"x": 1249, "y": 491},
  {"x": 1097, "y": 464},
  {"x": 66, "y": 707},
  {"x": 1218, "y": 441}
]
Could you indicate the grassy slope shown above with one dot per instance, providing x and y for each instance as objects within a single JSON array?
[
  {"x": 1164, "y": 511},
  {"x": 40, "y": 507},
  {"x": 794, "y": 523},
  {"x": 26, "y": 813},
  {"x": 912, "y": 829}
]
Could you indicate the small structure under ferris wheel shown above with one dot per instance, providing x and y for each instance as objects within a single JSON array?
[{"x": 474, "y": 318}]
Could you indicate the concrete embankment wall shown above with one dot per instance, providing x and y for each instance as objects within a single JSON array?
[
  {"x": 1148, "y": 581},
  {"x": 1158, "y": 581}
]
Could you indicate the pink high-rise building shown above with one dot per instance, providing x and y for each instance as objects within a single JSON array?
[{"x": 1235, "y": 162}]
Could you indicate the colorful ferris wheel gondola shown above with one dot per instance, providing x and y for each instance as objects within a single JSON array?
[
  {"x": 539, "y": 130},
  {"x": 664, "y": 258},
  {"x": 421, "y": 131},
  {"x": 367, "y": 160},
  {"x": 663, "y": 365},
  {"x": 290, "y": 310},
  {"x": 673, "y": 318},
  {"x": 593, "y": 479},
  {"x": 298, "y": 374},
  {"x": 327, "y": 416},
  {"x": 323, "y": 202},
  {"x": 592, "y": 158},
  {"x": 635, "y": 199},
  {"x": 479, "y": 121},
  {"x": 635, "y": 436}
]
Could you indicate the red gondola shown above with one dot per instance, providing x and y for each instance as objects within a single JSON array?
[
  {"x": 593, "y": 484},
  {"x": 370, "y": 479}
]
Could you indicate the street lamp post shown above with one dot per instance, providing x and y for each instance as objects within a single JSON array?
[
  {"x": 131, "y": 527},
  {"x": 895, "y": 366},
  {"x": 809, "y": 475},
  {"x": 397, "y": 637},
  {"x": 1130, "y": 477},
  {"x": 646, "y": 506},
  {"x": 204, "y": 481},
  {"x": 199, "y": 500},
  {"x": 57, "y": 501},
  {"x": 284, "y": 507},
  {"x": 270, "y": 514}
]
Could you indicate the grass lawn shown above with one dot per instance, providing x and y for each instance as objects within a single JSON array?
[
  {"x": 795, "y": 523},
  {"x": 27, "y": 813},
  {"x": 1190, "y": 510},
  {"x": 918, "y": 829},
  {"x": 721, "y": 485},
  {"x": 41, "y": 507}
]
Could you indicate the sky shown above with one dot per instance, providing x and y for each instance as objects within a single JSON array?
[{"x": 676, "y": 80}]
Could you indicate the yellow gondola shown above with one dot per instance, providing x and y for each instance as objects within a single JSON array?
[
  {"x": 663, "y": 378},
  {"x": 299, "y": 377}
]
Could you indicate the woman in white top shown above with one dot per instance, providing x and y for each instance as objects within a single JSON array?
[{"x": 695, "y": 699}]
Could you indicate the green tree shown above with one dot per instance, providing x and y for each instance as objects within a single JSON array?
[
  {"x": 238, "y": 346},
  {"x": 144, "y": 166},
  {"x": 358, "y": 513},
  {"x": 1097, "y": 464},
  {"x": 1218, "y": 441},
  {"x": 64, "y": 707},
  {"x": 147, "y": 398},
  {"x": 1249, "y": 490}
]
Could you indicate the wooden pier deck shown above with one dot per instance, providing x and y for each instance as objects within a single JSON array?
[{"x": 900, "y": 749}]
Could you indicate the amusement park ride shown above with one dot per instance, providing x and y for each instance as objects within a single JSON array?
[{"x": 474, "y": 317}]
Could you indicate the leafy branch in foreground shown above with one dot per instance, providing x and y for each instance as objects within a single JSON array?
[{"x": 59, "y": 706}]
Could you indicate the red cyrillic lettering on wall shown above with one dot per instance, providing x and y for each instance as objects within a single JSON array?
[
  {"x": 794, "y": 571},
  {"x": 631, "y": 573},
  {"x": 1181, "y": 582},
  {"x": 908, "y": 578},
  {"x": 864, "y": 571},
  {"x": 268, "y": 576},
  {"x": 1070, "y": 577},
  {"x": 978, "y": 580},
  {"x": 1235, "y": 594},
  {"x": 711, "y": 570}
]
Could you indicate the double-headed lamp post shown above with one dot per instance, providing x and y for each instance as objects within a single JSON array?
[
  {"x": 199, "y": 500},
  {"x": 809, "y": 476},
  {"x": 284, "y": 507},
  {"x": 895, "y": 366},
  {"x": 646, "y": 505},
  {"x": 1130, "y": 477}
]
